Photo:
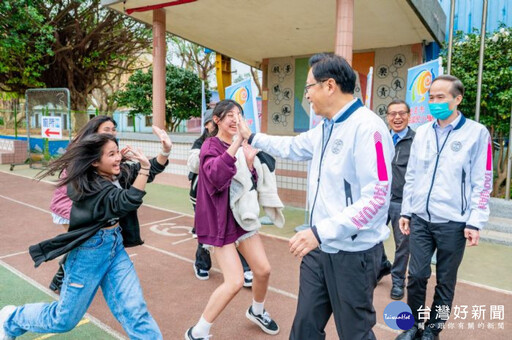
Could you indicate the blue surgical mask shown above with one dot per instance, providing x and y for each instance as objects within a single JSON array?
[{"x": 440, "y": 111}]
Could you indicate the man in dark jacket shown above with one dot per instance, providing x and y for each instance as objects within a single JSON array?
[{"x": 398, "y": 114}]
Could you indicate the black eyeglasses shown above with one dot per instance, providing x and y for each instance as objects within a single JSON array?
[
  {"x": 402, "y": 114},
  {"x": 306, "y": 88}
]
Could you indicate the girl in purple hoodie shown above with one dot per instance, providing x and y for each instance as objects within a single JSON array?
[{"x": 217, "y": 228}]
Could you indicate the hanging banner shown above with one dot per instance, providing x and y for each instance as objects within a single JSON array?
[
  {"x": 244, "y": 95},
  {"x": 369, "y": 88},
  {"x": 203, "y": 105},
  {"x": 419, "y": 79}
]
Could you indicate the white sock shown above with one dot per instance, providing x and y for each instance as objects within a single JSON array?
[
  {"x": 257, "y": 307},
  {"x": 201, "y": 329}
]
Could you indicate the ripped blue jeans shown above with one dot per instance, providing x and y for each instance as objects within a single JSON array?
[{"x": 101, "y": 261}]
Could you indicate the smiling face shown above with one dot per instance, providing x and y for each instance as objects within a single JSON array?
[
  {"x": 107, "y": 127},
  {"x": 398, "y": 117},
  {"x": 109, "y": 163},
  {"x": 227, "y": 124}
]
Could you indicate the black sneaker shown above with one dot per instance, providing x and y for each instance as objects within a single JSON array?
[
  {"x": 201, "y": 274},
  {"x": 188, "y": 335},
  {"x": 248, "y": 279},
  {"x": 266, "y": 324}
]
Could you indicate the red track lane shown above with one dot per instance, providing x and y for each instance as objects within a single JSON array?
[{"x": 176, "y": 298}]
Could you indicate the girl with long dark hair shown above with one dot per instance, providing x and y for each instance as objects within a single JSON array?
[
  {"x": 60, "y": 205},
  {"x": 106, "y": 193}
]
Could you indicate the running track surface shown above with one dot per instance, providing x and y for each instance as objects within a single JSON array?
[{"x": 173, "y": 294}]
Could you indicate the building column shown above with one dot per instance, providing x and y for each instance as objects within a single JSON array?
[
  {"x": 159, "y": 53},
  {"x": 344, "y": 29}
]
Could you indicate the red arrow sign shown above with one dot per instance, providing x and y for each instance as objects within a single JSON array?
[{"x": 47, "y": 132}]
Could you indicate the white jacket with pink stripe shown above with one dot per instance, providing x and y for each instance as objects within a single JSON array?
[
  {"x": 349, "y": 181},
  {"x": 450, "y": 180}
]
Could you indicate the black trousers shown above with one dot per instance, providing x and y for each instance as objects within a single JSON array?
[
  {"x": 341, "y": 284},
  {"x": 448, "y": 238},
  {"x": 401, "y": 246}
]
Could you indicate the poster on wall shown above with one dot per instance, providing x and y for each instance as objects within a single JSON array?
[
  {"x": 244, "y": 95},
  {"x": 419, "y": 79}
]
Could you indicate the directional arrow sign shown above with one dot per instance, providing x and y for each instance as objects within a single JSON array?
[
  {"x": 51, "y": 127},
  {"x": 49, "y": 132}
]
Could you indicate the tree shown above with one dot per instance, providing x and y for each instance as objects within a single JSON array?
[
  {"x": 25, "y": 43},
  {"x": 193, "y": 57},
  {"x": 183, "y": 95},
  {"x": 496, "y": 100},
  {"x": 75, "y": 44}
]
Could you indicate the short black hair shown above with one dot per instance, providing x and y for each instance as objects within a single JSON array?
[
  {"x": 397, "y": 102},
  {"x": 457, "y": 86},
  {"x": 328, "y": 65}
]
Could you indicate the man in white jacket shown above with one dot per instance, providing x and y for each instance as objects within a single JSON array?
[
  {"x": 445, "y": 202},
  {"x": 349, "y": 190}
]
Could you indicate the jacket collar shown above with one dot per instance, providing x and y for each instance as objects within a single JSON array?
[
  {"x": 351, "y": 109},
  {"x": 410, "y": 133},
  {"x": 459, "y": 124}
]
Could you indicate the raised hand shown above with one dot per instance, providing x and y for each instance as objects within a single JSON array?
[
  {"x": 249, "y": 153},
  {"x": 131, "y": 154},
  {"x": 243, "y": 128},
  {"x": 165, "y": 140}
]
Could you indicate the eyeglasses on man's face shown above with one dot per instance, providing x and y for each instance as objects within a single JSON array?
[
  {"x": 402, "y": 114},
  {"x": 306, "y": 88}
]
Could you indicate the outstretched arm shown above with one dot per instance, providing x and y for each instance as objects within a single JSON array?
[{"x": 166, "y": 143}]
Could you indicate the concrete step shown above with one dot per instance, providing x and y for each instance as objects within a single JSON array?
[
  {"x": 500, "y": 207},
  {"x": 496, "y": 237},
  {"x": 500, "y": 224}
]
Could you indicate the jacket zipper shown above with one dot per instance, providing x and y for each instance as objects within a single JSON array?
[
  {"x": 463, "y": 193},
  {"x": 324, "y": 147},
  {"x": 435, "y": 168}
]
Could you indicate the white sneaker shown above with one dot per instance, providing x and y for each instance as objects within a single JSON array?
[
  {"x": 248, "y": 279},
  {"x": 4, "y": 314}
]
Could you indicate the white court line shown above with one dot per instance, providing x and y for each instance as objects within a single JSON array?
[
  {"x": 25, "y": 204},
  {"x": 167, "y": 219},
  {"x": 37, "y": 285},
  {"x": 270, "y": 288},
  {"x": 181, "y": 241},
  {"x": 479, "y": 285},
  {"x": 13, "y": 254}
]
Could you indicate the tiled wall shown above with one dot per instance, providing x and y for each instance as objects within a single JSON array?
[{"x": 12, "y": 151}]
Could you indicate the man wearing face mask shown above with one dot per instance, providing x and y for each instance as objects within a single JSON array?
[{"x": 445, "y": 202}]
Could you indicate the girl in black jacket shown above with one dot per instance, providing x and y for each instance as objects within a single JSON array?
[{"x": 106, "y": 193}]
